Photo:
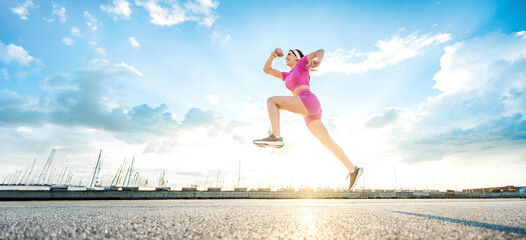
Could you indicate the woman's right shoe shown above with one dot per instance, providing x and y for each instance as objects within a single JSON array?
[
  {"x": 354, "y": 176},
  {"x": 270, "y": 141}
]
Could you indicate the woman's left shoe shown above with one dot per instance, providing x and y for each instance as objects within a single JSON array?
[
  {"x": 270, "y": 141},
  {"x": 354, "y": 176}
]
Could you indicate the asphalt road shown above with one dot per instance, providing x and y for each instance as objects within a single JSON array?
[{"x": 264, "y": 219}]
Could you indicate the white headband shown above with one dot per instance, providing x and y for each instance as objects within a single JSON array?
[{"x": 296, "y": 53}]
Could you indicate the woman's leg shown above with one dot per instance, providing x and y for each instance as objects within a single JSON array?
[
  {"x": 320, "y": 132},
  {"x": 289, "y": 103}
]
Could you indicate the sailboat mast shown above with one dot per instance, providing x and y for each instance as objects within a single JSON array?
[
  {"x": 97, "y": 166},
  {"x": 130, "y": 172},
  {"x": 30, "y": 171},
  {"x": 239, "y": 173}
]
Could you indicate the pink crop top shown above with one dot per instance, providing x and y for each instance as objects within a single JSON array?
[{"x": 298, "y": 76}]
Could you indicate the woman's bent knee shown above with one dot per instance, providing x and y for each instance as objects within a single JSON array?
[{"x": 271, "y": 100}]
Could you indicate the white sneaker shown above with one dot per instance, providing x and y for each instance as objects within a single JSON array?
[{"x": 270, "y": 141}]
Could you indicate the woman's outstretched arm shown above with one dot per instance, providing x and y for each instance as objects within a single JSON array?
[{"x": 268, "y": 65}]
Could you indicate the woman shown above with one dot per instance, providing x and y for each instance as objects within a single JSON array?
[{"x": 303, "y": 102}]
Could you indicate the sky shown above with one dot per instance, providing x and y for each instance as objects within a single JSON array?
[{"x": 422, "y": 94}]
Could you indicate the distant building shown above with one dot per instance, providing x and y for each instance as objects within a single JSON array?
[
  {"x": 214, "y": 189},
  {"x": 286, "y": 189},
  {"x": 325, "y": 189},
  {"x": 487, "y": 190}
]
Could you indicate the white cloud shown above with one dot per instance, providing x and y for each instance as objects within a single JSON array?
[
  {"x": 481, "y": 107},
  {"x": 67, "y": 41},
  {"x": 213, "y": 98},
  {"x": 521, "y": 34},
  {"x": 10, "y": 99},
  {"x": 202, "y": 6},
  {"x": 119, "y": 8},
  {"x": 84, "y": 114},
  {"x": 88, "y": 92},
  {"x": 390, "y": 52},
  {"x": 93, "y": 23},
  {"x": 134, "y": 42},
  {"x": 75, "y": 32},
  {"x": 132, "y": 69},
  {"x": 21, "y": 9},
  {"x": 59, "y": 11},
  {"x": 207, "y": 21},
  {"x": 14, "y": 53},
  {"x": 163, "y": 16},
  {"x": 166, "y": 13},
  {"x": 387, "y": 117},
  {"x": 24, "y": 130},
  {"x": 463, "y": 69},
  {"x": 101, "y": 51},
  {"x": 201, "y": 11},
  {"x": 216, "y": 36}
]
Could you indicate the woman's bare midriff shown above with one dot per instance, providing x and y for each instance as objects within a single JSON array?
[{"x": 298, "y": 89}]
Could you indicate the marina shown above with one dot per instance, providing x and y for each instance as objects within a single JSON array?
[
  {"x": 214, "y": 193},
  {"x": 128, "y": 184}
]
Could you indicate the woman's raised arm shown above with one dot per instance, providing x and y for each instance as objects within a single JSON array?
[
  {"x": 268, "y": 65},
  {"x": 318, "y": 54}
]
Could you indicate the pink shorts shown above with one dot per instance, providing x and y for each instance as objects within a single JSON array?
[{"x": 312, "y": 104}]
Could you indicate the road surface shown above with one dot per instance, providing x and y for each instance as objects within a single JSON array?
[{"x": 263, "y": 219}]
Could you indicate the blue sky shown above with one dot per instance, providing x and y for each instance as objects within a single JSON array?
[{"x": 429, "y": 91}]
